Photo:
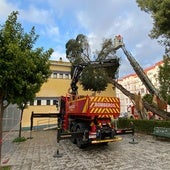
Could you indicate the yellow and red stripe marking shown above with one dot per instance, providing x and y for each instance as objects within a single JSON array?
[
  {"x": 98, "y": 105},
  {"x": 104, "y": 105}
]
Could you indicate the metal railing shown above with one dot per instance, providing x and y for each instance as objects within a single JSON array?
[{"x": 45, "y": 124}]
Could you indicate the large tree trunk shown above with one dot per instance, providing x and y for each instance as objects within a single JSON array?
[
  {"x": 165, "y": 115},
  {"x": 20, "y": 123}
]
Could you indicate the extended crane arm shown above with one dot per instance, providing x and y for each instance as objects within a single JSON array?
[
  {"x": 75, "y": 78},
  {"x": 79, "y": 68},
  {"x": 140, "y": 72},
  {"x": 118, "y": 43}
]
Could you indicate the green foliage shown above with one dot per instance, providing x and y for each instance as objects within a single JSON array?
[
  {"x": 148, "y": 98},
  {"x": 160, "y": 12},
  {"x": 92, "y": 78},
  {"x": 23, "y": 68},
  {"x": 164, "y": 79},
  {"x": 144, "y": 126},
  {"x": 19, "y": 139},
  {"x": 77, "y": 50},
  {"x": 106, "y": 50},
  {"x": 5, "y": 167}
]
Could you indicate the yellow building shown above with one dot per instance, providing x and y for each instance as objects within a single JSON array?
[{"x": 51, "y": 91}]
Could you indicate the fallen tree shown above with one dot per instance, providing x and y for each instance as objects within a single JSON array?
[{"x": 163, "y": 114}]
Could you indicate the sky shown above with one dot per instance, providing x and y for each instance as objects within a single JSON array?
[{"x": 57, "y": 21}]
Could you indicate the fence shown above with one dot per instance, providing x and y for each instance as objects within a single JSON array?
[{"x": 11, "y": 117}]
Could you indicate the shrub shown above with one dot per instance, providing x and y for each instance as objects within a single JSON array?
[
  {"x": 5, "y": 168},
  {"x": 143, "y": 126},
  {"x": 19, "y": 139}
]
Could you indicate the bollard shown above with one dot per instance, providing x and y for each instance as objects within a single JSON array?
[
  {"x": 133, "y": 134},
  {"x": 58, "y": 154},
  {"x": 30, "y": 137}
]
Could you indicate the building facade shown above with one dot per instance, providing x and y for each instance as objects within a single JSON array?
[
  {"x": 133, "y": 84},
  {"x": 48, "y": 97}
]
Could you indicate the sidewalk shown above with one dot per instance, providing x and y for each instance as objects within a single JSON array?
[
  {"x": 38, "y": 154},
  {"x": 34, "y": 152}
]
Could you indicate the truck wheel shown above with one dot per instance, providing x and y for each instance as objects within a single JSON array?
[
  {"x": 79, "y": 141},
  {"x": 113, "y": 133},
  {"x": 73, "y": 140}
]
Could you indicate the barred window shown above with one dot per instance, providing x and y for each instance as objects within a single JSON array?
[
  {"x": 66, "y": 76},
  {"x": 38, "y": 102},
  {"x": 60, "y": 76},
  {"x": 55, "y": 75},
  {"x": 54, "y": 102},
  {"x": 47, "y": 102}
]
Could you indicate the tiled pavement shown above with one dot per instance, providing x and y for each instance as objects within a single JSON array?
[{"x": 39, "y": 154}]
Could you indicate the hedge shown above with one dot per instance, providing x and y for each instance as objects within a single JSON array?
[{"x": 143, "y": 126}]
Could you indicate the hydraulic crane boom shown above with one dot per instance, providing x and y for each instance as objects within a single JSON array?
[
  {"x": 79, "y": 68},
  {"x": 141, "y": 74},
  {"x": 118, "y": 41}
]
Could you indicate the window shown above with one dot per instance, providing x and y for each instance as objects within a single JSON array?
[
  {"x": 47, "y": 102},
  {"x": 54, "y": 102},
  {"x": 55, "y": 75},
  {"x": 38, "y": 102},
  {"x": 66, "y": 76},
  {"x": 60, "y": 76}
]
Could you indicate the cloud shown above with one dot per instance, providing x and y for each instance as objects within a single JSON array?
[
  {"x": 61, "y": 20},
  {"x": 125, "y": 68},
  {"x": 35, "y": 15},
  {"x": 51, "y": 31},
  {"x": 105, "y": 19},
  {"x": 100, "y": 16},
  {"x": 6, "y": 8},
  {"x": 57, "y": 55}
]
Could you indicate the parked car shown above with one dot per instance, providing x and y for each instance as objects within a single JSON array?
[
  {"x": 123, "y": 115},
  {"x": 127, "y": 115}
]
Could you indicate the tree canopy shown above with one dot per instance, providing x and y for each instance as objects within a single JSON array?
[
  {"x": 164, "y": 79},
  {"x": 92, "y": 78},
  {"x": 23, "y": 68},
  {"x": 160, "y": 12}
]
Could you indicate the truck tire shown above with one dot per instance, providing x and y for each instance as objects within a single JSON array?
[
  {"x": 79, "y": 140},
  {"x": 73, "y": 129},
  {"x": 113, "y": 133}
]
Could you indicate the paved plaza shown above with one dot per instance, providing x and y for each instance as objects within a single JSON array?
[{"x": 39, "y": 154}]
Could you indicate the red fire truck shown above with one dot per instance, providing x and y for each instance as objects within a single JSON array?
[{"x": 89, "y": 119}]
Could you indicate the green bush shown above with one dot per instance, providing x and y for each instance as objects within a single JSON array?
[
  {"x": 143, "y": 126},
  {"x": 19, "y": 139},
  {"x": 5, "y": 168}
]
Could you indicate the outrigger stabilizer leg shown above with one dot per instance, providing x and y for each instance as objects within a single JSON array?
[{"x": 58, "y": 154}]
